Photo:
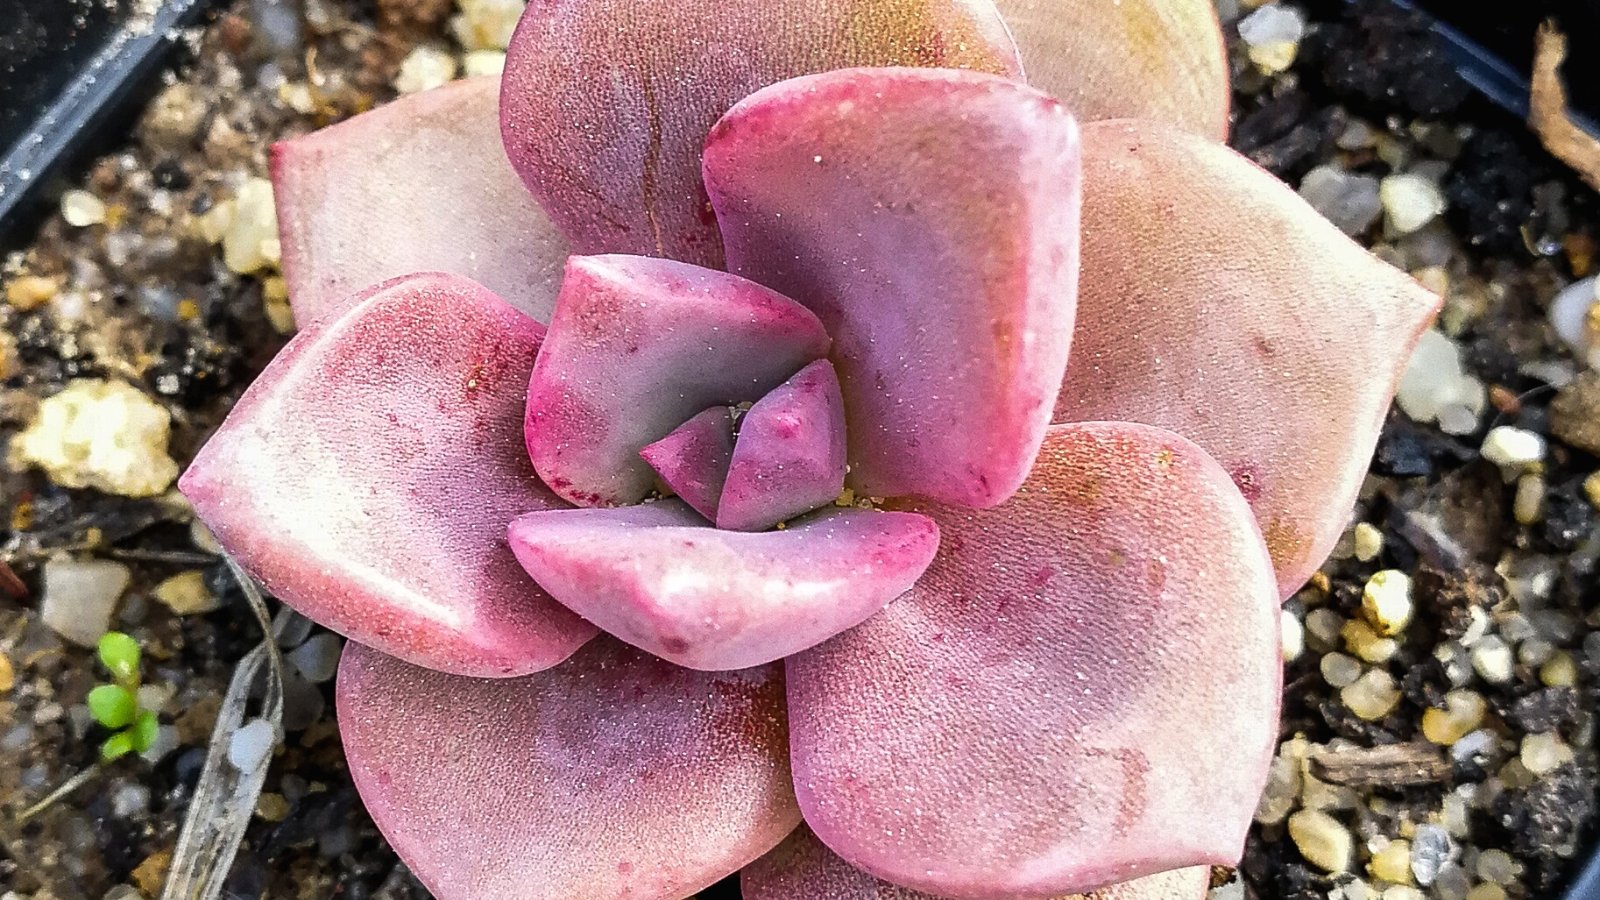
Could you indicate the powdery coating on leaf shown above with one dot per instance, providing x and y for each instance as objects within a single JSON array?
[
  {"x": 615, "y": 775},
  {"x": 606, "y": 102},
  {"x": 790, "y": 457},
  {"x": 693, "y": 460},
  {"x": 1081, "y": 690},
  {"x": 658, "y": 577},
  {"x": 636, "y": 347},
  {"x": 802, "y": 868},
  {"x": 1144, "y": 59},
  {"x": 421, "y": 183},
  {"x": 1214, "y": 302},
  {"x": 367, "y": 476},
  {"x": 930, "y": 218}
]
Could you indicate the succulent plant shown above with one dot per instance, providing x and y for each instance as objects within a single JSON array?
[{"x": 860, "y": 442}]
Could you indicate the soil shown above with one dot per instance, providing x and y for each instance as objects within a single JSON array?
[{"x": 145, "y": 297}]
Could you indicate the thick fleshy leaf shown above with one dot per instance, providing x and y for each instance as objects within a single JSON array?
[
  {"x": 803, "y": 868},
  {"x": 607, "y": 102},
  {"x": 790, "y": 457},
  {"x": 1141, "y": 59},
  {"x": 419, "y": 184},
  {"x": 693, "y": 460},
  {"x": 368, "y": 475},
  {"x": 930, "y": 218},
  {"x": 1217, "y": 304},
  {"x": 1081, "y": 690},
  {"x": 636, "y": 347},
  {"x": 613, "y": 776},
  {"x": 659, "y": 578}
]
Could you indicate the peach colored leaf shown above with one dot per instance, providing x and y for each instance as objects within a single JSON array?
[
  {"x": 418, "y": 184},
  {"x": 1216, "y": 303},
  {"x": 615, "y": 775},
  {"x": 1081, "y": 690},
  {"x": 368, "y": 475},
  {"x": 930, "y": 218}
]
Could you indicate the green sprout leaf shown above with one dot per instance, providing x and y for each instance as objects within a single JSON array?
[
  {"x": 113, "y": 705},
  {"x": 117, "y": 746},
  {"x": 144, "y": 731},
  {"x": 120, "y": 653}
]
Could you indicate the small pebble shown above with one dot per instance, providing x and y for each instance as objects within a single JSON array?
[
  {"x": 1322, "y": 840},
  {"x": 8, "y": 675},
  {"x": 1339, "y": 670},
  {"x": 1559, "y": 671},
  {"x": 1349, "y": 201},
  {"x": 81, "y": 209},
  {"x": 318, "y": 658},
  {"x": 251, "y": 745},
  {"x": 1272, "y": 36},
  {"x": 1368, "y": 541},
  {"x": 272, "y": 807},
  {"x": 130, "y": 800},
  {"x": 186, "y": 594},
  {"x": 1403, "y": 892},
  {"x": 106, "y": 435},
  {"x": 1513, "y": 448},
  {"x": 250, "y": 242},
  {"x": 1572, "y": 314},
  {"x": 1498, "y": 867},
  {"x": 1453, "y": 883},
  {"x": 1476, "y": 747},
  {"x": 166, "y": 741},
  {"x": 483, "y": 63},
  {"x": 1431, "y": 848},
  {"x": 1544, "y": 753},
  {"x": 1436, "y": 386},
  {"x": 1410, "y": 202},
  {"x": 29, "y": 292},
  {"x": 1462, "y": 714},
  {"x": 486, "y": 24},
  {"x": 1392, "y": 862},
  {"x": 1487, "y": 892},
  {"x": 1372, "y": 696},
  {"x": 1386, "y": 601},
  {"x": 80, "y": 596},
  {"x": 1492, "y": 660},
  {"x": 1363, "y": 641},
  {"x": 1527, "y": 507},
  {"x": 1293, "y": 636},
  {"x": 424, "y": 69},
  {"x": 1535, "y": 652}
]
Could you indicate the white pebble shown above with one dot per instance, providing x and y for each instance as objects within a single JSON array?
[
  {"x": 1513, "y": 448},
  {"x": 250, "y": 242},
  {"x": 1322, "y": 840},
  {"x": 251, "y": 745},
  {"x": 1368, "y": 541},
  {"x": 80, "y": 596},
  {"x": 483, "y": 63},
  {"x": 425, "y": 68},
  {"x": 1431, "y": 848},
  {"x": 1410, "y": 202},
  {"x": 486, "y": 24},
  {"x": 1572, "y": 314},
  {"x": 1386, "y": 601},
  {"x": 1544, "y": 753},
  {"x": 1272, "y": 36},
  {"x": 1492, "y": 660},
  {"x": 1349, "y": 201},
  {"x": 130, "y": 800},
  {"x": 82, "y": 209},
  {"x": 1437, "y": 388},
  {"x": 106, "y": 435}
]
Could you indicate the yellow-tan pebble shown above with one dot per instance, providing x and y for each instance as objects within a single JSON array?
[
  {"x": 1372, "y": 696},
  {"x": 1322, "y": 840},
  {"x": 1363, "y": 641},
  {"x": 1559, "y": 671},
  {"x": 1462, "y": 714},
  {"x": 1487, "y": 892},
  {"x": 1392, "y": 863}
]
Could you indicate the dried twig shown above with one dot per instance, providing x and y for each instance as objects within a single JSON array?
[
  {"x": 225, "y": 797},
  {"x": 1395, "y": 765},
  {"x": 1548, "y": 113}
]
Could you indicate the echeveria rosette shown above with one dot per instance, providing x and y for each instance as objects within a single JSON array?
[{"x": 1042, "y": 664}]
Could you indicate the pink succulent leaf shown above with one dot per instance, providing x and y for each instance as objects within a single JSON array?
[
  {"x": 1145, "y": 59},
  {"x": 693, "y": 460},
  {"x": 790, "y": 456},
  {"x": 606, "y": 102},
  {"x": 367, "y": 475},
  {"x": 1216, "y": 303},
  {"x": 615, "y": 775},
  {"x": 930, "y": 218},
  {"x": 660, "y": 578},
  {"x": 418, "y": 184},
  {"x": 803, "y": 868},
  {"x": 1081, "y": 690},
  {"x": 636, "y": 347}
]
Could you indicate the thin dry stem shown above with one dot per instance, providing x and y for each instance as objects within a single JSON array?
[{"x": 1548, "y": 114}]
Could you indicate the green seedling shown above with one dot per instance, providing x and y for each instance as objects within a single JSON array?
[{"x": 116, "y": 705}]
